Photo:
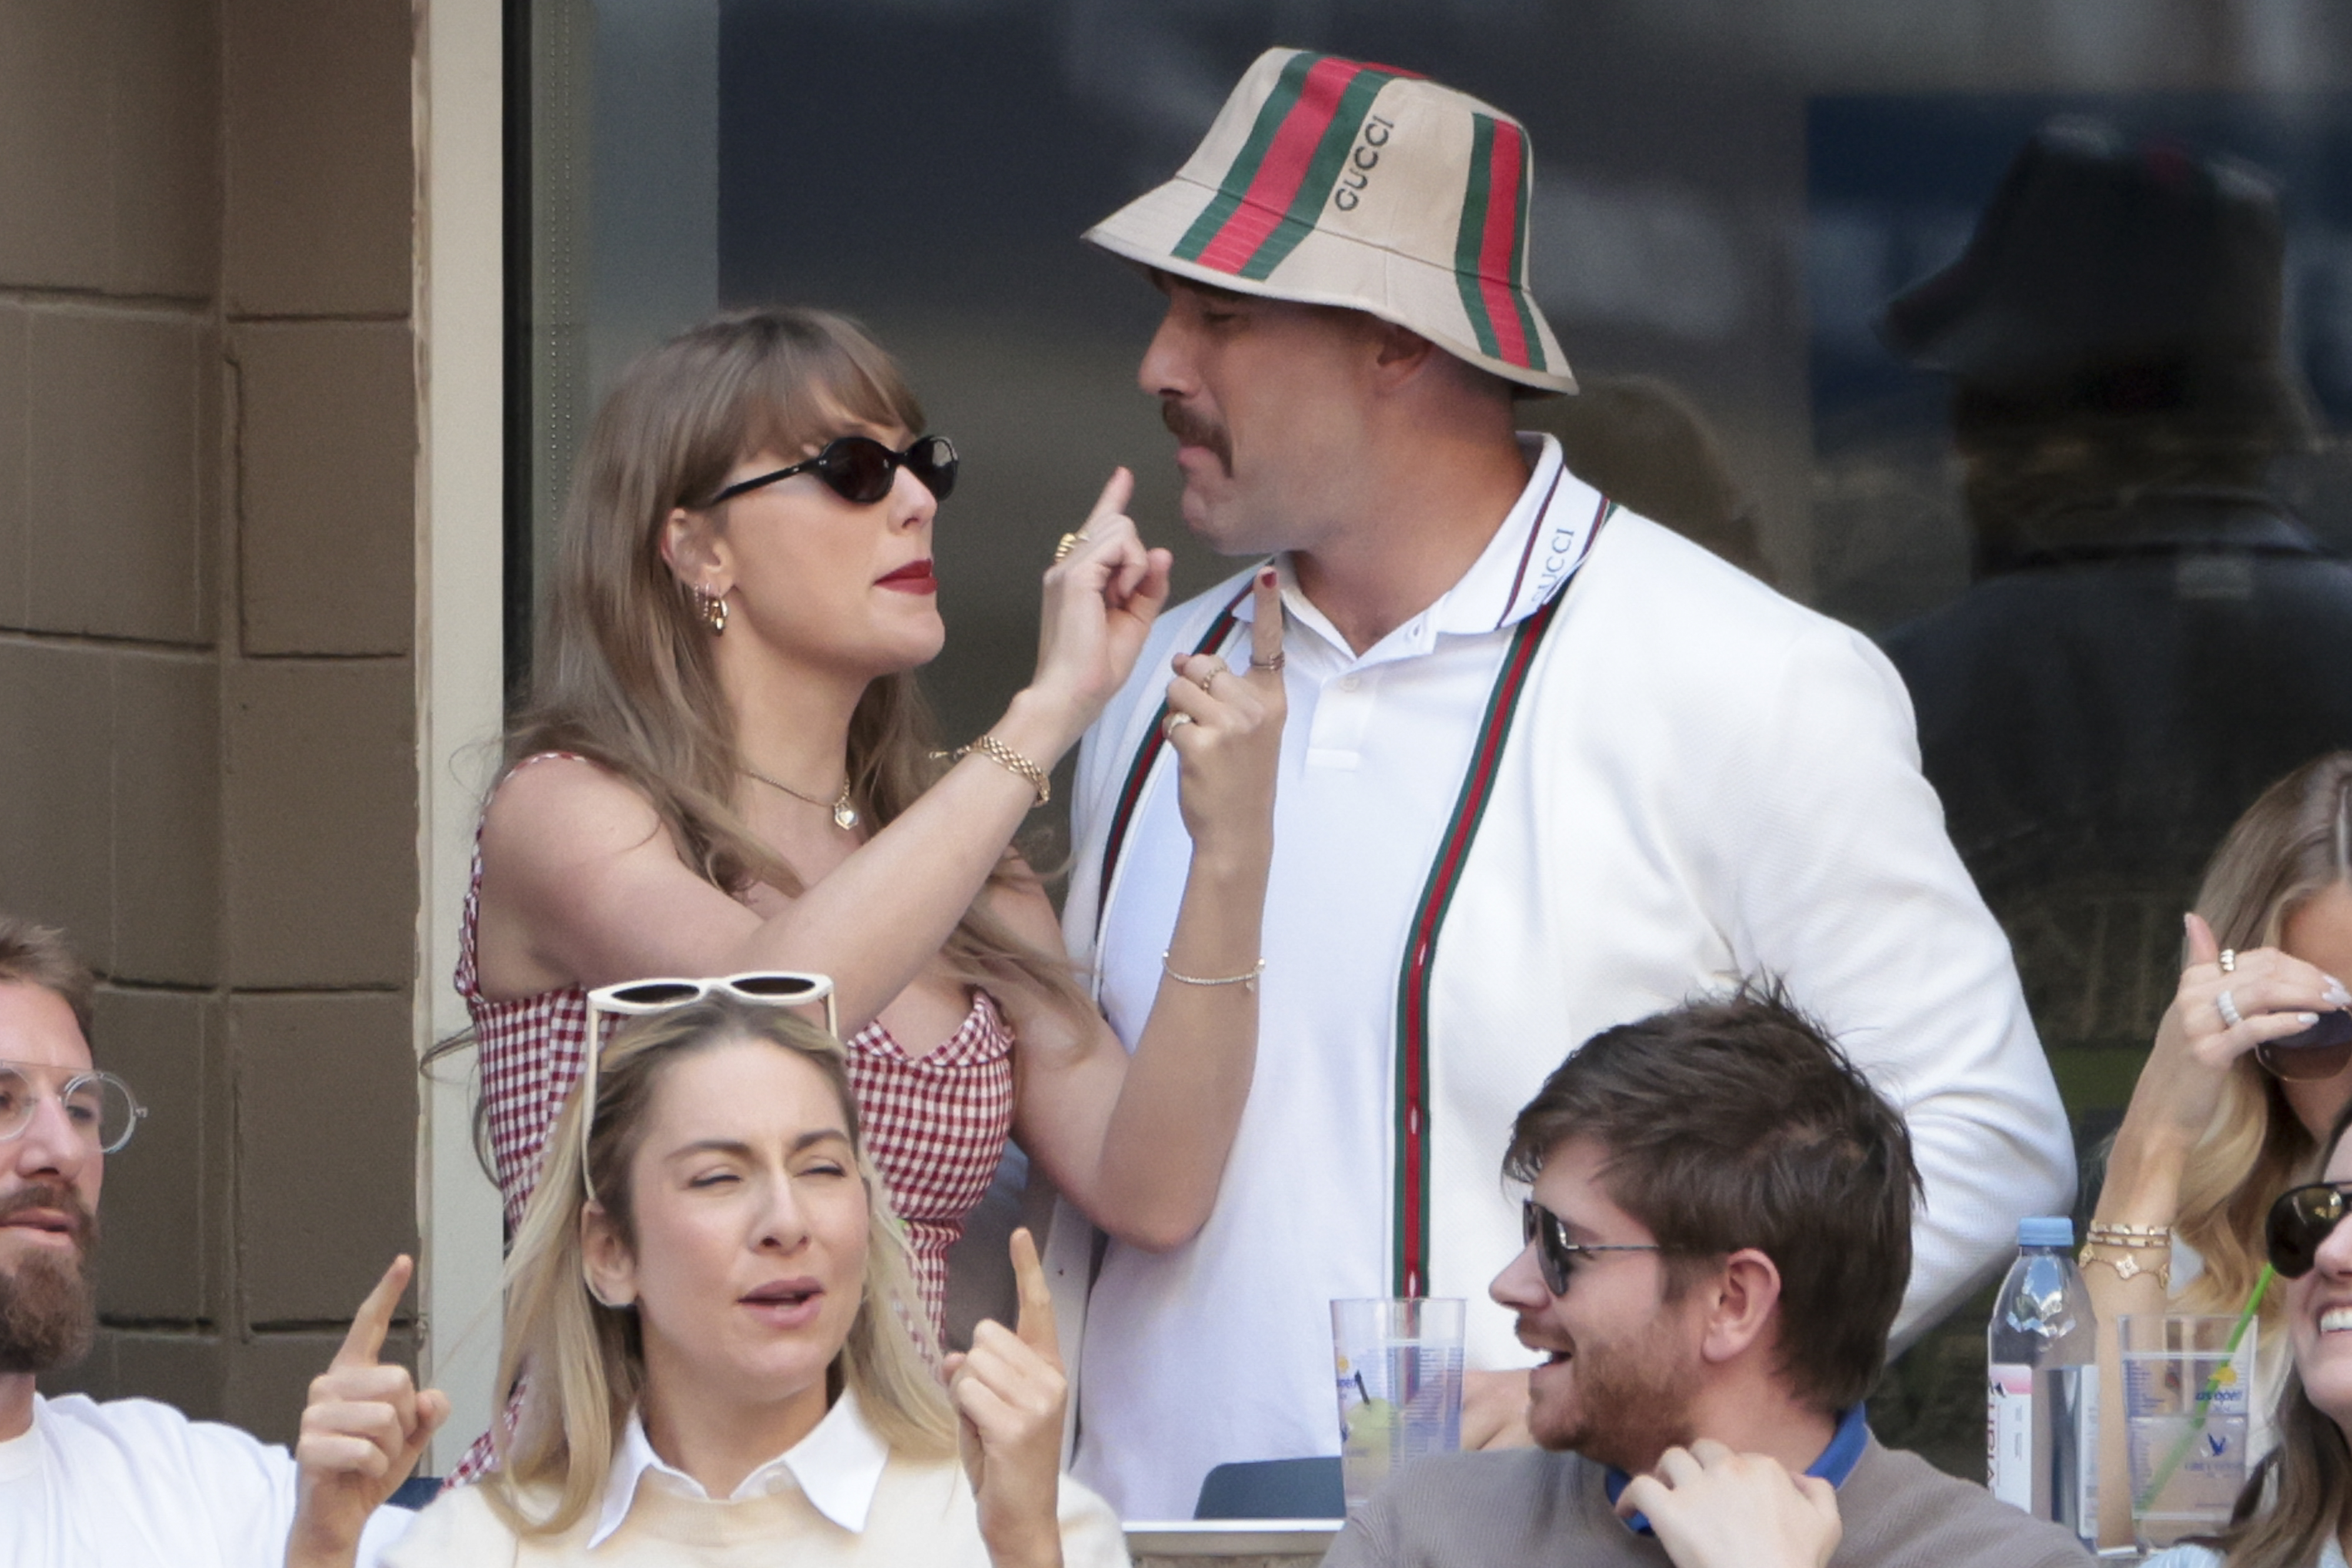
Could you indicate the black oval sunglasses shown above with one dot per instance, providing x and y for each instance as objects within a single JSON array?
[{"x": 860, "y": 469}]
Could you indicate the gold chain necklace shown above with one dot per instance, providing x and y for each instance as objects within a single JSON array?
[{"x": 844, "y": 815}]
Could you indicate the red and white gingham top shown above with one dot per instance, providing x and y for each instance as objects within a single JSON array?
[{"x": 934, "y": 1124}]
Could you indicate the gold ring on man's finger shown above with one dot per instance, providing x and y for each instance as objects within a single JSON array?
[{"x": 1068, "y": 543}]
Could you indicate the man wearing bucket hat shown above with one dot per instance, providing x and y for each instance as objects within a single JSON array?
[{"x": 1554, "y": 769}]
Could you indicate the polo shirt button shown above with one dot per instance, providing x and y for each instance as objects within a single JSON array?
[{"x": 1349, "y": 683}]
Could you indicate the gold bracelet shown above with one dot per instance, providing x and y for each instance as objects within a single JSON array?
[
  {"x": 2128, "y": 1268},
  {"x": 1247, "y": 981},
  {"x": 1004, "y": 755},
  {"x": 2143, "y": 1237}
]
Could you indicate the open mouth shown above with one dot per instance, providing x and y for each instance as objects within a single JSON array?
[{"x": 786, "y": 1303}]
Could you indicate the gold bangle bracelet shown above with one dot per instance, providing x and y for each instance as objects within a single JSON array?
[
  {"x": 1247, "y": 980},
  {"x": 2139, "y": 1236},
  {"x": 1004, "y": 757}
]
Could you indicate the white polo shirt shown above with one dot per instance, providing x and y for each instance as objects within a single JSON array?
[
  {"x": 1688, "y": 779},
  {"x": 134, "y": 1484}
]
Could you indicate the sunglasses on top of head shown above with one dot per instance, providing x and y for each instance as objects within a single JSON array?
[
  {"x": 634, "y": 998},
  {"x": 861, "y": 470},
  {"x": 1556, "y": 1256}
]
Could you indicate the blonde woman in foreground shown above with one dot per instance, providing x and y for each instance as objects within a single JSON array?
[
  {"x": 2251, "y": 1065},
  {"x": 720, "y": 1368}
]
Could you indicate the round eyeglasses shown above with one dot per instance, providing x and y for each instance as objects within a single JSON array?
[{"x": 99, "y": 1106}]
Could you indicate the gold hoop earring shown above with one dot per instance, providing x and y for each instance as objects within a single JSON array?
[{"x": 712, "y": 608}]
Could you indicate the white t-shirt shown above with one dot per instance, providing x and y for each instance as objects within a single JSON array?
[{"x": 136, "y": 1483}]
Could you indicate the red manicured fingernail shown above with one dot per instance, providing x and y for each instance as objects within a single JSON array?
[{"x": 1266, "y": 578}]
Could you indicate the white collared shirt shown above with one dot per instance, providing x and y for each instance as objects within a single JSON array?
[
  {"x": 1702, "y": 781},
  {"x": 838, "y": 1466}
]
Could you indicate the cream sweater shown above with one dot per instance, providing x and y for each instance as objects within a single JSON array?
[{"x": 922, "y": 1514}]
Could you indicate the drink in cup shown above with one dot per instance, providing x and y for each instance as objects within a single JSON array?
[
  {"x": 2187, "y": 1396},
  {"x": 1399, "y": 1363}
]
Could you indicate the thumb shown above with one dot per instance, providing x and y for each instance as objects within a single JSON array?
[
  {"x": 1035, "y": 1327},
  {"x": 364, "y": 1344},
  {"x": 2202, "y": 948},
  {"x": 432, "y": 1410}
]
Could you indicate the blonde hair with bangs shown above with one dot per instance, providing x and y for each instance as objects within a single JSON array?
[
  {"x": 2294, "y": 842},
  {"x": 581, "y": 1364}
]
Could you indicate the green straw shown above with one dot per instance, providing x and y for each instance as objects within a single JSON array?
[{"x": 2172, "y": 1461}]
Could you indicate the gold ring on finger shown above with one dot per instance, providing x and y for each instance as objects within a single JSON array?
[
  {"x": 1068, "y": 543},
  {"x": 1210, "y": 676},
  {"x": 1274, "y": 664},
  {"x": 2229, "y": 960}
]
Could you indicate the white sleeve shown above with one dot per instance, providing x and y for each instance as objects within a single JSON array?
[{"x": 1848, "y": 888}]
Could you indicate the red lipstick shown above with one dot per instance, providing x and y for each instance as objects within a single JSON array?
[{"x": 915, "y": 577}]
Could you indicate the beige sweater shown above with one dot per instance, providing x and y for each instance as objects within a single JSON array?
[{"x": 922, "y": 1514}]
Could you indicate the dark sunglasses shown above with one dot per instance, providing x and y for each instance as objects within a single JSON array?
[
  {"x": 860, "y": 469},
  {"x": 2300, "y": 1222},
  {"x": 1555, "y": 1255},
  {"x": 2320, "y": 1051}
]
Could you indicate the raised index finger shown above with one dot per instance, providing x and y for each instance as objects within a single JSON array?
[
  {"x": 1036, "y": 1324},
  {"x": 1113, "y": 499},
  {"x": 364, "y": 1343},
  {"x": 1265, "y": 628}
]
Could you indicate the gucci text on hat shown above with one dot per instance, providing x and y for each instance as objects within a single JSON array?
[{"x": 1333, "y": 181}]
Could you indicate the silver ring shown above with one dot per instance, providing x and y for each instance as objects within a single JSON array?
[
  {"x": 2228, "y": 960},
  {"x": 1274, "y": 664},
  {"x": 2227, "y": 1005}
]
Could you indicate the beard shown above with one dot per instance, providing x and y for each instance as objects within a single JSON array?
[
  {"x": 1194, "y": 430},
  {"x": 48, "y": 1303},
  {"x": 1631, "y": 1400}
]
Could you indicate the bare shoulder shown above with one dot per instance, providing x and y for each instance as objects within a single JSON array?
[{"x": 558, "y": 809}]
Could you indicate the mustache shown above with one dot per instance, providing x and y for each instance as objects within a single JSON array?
[
  {"x": 53, "y": 1196},
  {"x": 1194, "y": 430}
]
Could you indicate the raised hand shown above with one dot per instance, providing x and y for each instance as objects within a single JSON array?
[
  {"x": 1008, "y": 1394},
  {"x": 1100, "y": 602},
  {"x": 2274, "y": 995},
  {"x": 1226, "y": 728},
  {"x": 1711, "y": 1508},
  {"x": 363, "y": 1432}
]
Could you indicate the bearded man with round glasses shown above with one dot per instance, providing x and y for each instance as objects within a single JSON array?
[{"x": 129, "y": 1481}]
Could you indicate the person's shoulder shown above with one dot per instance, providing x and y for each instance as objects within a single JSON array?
[
  {"x": 148, "y": 1432},
  {"x": 1898, "y": 1507},
  {"x": 1661, "y": 598},
  {"x": 457, "y": 1528},
  {"x": 1491, "y": 1493},
  {"x": 559, "y": 801}
]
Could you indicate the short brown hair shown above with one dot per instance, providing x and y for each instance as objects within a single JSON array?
[
  {"x": 40, "y": 956},
  {"x": 1739, "y": 1122}
]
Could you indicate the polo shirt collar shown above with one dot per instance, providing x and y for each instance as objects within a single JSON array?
[
  {"x": 1836, "y": 1463},
  {"x": 1543, "y": 540},
  {"x": 838, "y": 1466}
]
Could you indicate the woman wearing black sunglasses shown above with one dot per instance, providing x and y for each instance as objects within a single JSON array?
[
  {"x": 2296, "y": 1509},
  {"x": 2253, "y": 1063},
  {"x": 725, "y": 766}
]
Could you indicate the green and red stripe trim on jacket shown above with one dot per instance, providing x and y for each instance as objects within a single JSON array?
[
  {"x": 1269, "y": 198},
  {"x": 1132, "y": 791},
  {"x": 1490, "y": 249},
  {"x": 1412, "y": 1100}
]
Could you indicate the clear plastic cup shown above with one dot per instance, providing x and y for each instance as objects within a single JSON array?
[
  {"x": 1399, "y": 1363},
  {"x": 2187, "y": 1397}
]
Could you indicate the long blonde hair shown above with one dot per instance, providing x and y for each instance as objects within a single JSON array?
[
  {"x": 624, "y": 675},
  {"x": 582, "y": 1364},
  {"x": 2293, "y": 841}
]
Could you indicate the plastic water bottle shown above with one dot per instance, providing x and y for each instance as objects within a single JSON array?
[{"x": 2042, "y": 1389}]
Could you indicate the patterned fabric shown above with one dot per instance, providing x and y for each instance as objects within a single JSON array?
[{"x": 934, "y": 1124}]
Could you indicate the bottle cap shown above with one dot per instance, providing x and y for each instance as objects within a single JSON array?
[{"x": 2046, "y": 1230}]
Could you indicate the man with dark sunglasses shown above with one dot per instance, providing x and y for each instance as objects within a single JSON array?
[
  {"x": 1551, "y": 767},
  {"x": 128, "y": 1481},
  {"x": 1719, "y": 1235}
]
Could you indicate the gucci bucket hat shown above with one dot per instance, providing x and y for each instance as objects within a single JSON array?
[{"x": 1332, "y": 182}]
